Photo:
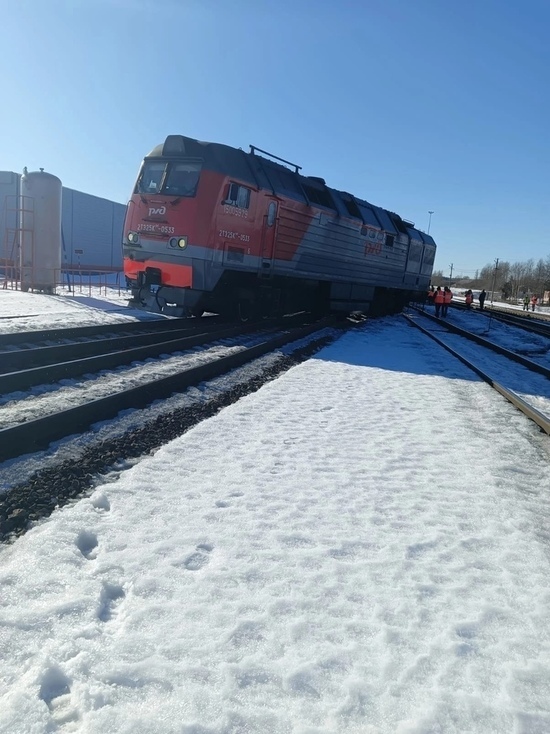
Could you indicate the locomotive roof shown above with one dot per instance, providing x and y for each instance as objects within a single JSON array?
[{"x": 261, "y": 172}]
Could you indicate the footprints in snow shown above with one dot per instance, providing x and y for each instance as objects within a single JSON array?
[
  {"x": 86, "y": 543},
  {"x": 111, "y": 594},
  {"x": 55, "y": 691},
  {"x": 55, "y": 686},
  {"x": 199, "y": 557},
  {"x": 225, "y": 503},
  {"x": 109, "y": 599},
  {"x": 100, "y": 502}
]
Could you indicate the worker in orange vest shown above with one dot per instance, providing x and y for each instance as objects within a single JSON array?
[
  {"x": 534, "y": 301},
  {"x": 438, "y": 300},
  {"x": 430, "y": 295},
  {"x": 447, "y": 298}
]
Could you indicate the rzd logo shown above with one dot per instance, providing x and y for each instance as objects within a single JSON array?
[{"x": 153, "y": 211}]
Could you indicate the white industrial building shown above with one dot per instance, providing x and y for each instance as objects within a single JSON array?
[{"x": 91, "y": 228}]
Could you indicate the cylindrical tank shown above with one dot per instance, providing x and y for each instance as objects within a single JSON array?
[{"x": 40, "y": 230}]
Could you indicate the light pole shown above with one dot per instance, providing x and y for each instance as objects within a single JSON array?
[
  {"x": 494, "y": 281},
  {"x": 429, "y": 221}
]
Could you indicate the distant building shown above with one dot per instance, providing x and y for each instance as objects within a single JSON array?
[{"x": 91, "y": 227}]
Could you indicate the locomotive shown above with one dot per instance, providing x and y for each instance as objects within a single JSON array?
[{"x": 213, "y": 228}]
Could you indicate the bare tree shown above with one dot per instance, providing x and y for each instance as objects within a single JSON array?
[{"x": 513, "y": 278}]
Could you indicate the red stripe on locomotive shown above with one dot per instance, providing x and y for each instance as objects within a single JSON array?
[{"x": 180, "y": 276}]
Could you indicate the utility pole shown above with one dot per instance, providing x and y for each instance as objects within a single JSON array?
[
  {"x": 429, "y": 221},
  {"x": 451, "y": 275},
  {"x": 494, "y": 281}
]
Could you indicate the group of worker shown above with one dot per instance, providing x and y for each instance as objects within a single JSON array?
[
  {"x": 469, "y": 299},
  {"x": 442, "y": 297}
]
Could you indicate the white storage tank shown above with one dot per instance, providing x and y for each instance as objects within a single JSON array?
[{"x": 40, "y": 230}]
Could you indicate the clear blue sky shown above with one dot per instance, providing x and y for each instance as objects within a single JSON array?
[{"x": 415, "y": 105}]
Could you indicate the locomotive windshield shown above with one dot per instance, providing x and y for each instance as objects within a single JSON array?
[
  {"x": 151, "y": 177},
  {"x": 172, "y": 178}
]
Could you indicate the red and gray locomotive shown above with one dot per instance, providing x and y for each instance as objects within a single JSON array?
[{"x": 214, "y": 228}]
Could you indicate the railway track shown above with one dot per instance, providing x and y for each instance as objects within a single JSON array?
[
  {"x": 22, "y": 339},
  {"x": 35, "y": 433},
  {"x": 528, "y": 321},
  {"x": 66, "y": 472},
  {"x": 38, "y": 365},
  {"x": 509, "y": 373}
]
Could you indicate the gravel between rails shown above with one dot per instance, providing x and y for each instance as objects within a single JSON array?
[{"x": 55, "y": 486}]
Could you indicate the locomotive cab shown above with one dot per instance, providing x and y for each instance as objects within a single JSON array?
[{"x": 161, "y": 226}]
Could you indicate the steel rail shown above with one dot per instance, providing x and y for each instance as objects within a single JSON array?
[
  {"x": 527, "y": 322},
  {"x": 107, "y": 354},
  {"x": 40, "y": 433},
  {"x": 27, "y": 359},
  {"x": 76, "y": 332},
  {"x": 25, "y": 379},
  {"x": 528, "y": 410},
  {"x": 533, "y": 366}
]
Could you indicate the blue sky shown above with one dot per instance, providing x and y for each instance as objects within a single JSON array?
[{"x": 415, "y": 105}]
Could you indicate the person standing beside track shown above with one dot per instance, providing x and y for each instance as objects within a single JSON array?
[
  {"x": 438, "y": 300},
  {"x": 526, "y": 302},
  {"x": 468, "y": 298},
  {"x": 482, "y": 296},
  {"x": 534, "y": 301},
  {"x": 430, "y": 295},
  {"x": 447, "y": 298}
]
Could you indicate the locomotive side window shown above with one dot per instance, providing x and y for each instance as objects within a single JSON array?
[
  {"x": 271, "y": 214},
  {"x": 151, "y": 177},
  {"x": 369, "y": 217},
  {"x": 319, "y": 196},
  {"x": 238, "y": 196},
  {"x": 182, "y": 179},
  {"x": 428, "y": 260},
  {"x": 243, "y": 200},
  {"x": 415, "y": 256},
  {"x": 351, "y": 206}
]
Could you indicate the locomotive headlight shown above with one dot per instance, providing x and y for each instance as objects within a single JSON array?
[
  {"x": 179, "y": 242},
  {"x": 132, "y": 237}
]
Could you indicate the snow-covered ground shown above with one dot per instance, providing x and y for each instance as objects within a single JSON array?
[
  {"x": 361, "y": 546},
  {"x": 88, "y": 307},
  {"x": 516, "y": 305}
]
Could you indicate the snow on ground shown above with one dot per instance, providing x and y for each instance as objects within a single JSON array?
[
  {"x": 360, "y": 546},
  {"x": 516, "y": 305},
  {"x": 87, "y": 306}
]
